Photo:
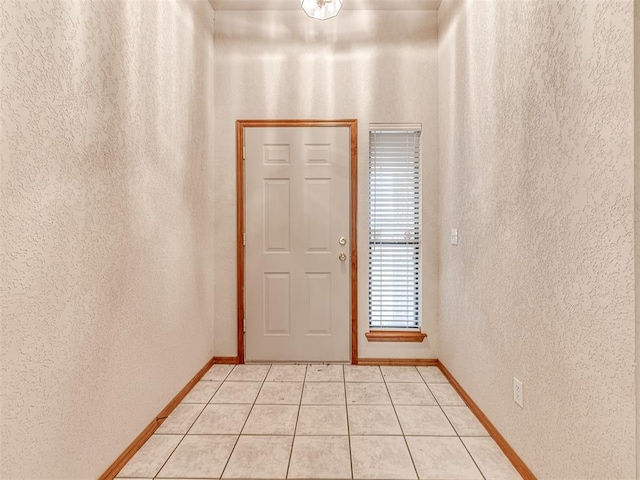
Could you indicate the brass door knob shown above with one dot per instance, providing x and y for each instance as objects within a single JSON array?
[{"x": 342, "y": 256}]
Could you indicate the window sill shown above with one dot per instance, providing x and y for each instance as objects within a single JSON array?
[{"x": 395, "y": 336}]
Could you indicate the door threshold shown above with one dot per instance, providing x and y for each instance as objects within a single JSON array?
[{"x": 293, "y": 362}]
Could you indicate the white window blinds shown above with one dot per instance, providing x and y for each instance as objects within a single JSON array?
[{"x": 394, "y": 226}]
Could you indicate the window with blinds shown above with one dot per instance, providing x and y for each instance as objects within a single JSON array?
[{"x": 394, "y": 226}]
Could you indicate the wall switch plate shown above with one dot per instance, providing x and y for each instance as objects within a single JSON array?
[
  {"x": 454, "y": 236},
  {"x": 518, "y": 392}
]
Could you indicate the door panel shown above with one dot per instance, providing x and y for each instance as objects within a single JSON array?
[
  {"x": 277, "y": 217},
  {"x": 318, "y": 302},
  {"x": 297, "y": 290},
  {"x": 317, "y": 217}
]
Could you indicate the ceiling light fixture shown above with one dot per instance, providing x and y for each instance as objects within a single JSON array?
[{"x": 321, "y": 9}]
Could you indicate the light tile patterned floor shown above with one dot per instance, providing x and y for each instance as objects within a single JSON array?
[{"x": 321, "y": 422}]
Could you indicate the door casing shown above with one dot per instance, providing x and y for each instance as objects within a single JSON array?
[{"x": 352, "y": 124}]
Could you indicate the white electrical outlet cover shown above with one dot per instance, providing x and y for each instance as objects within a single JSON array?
[{"x": 518, "y": 392}]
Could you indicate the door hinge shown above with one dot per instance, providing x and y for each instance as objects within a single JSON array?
[
  {"x": 244, "y": 239},
  {"x": 244, "y": 325},
  {"x": 244, "y": 155}
]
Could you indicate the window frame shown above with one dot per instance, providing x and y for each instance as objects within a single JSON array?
[{"x": 396, "y": 333}]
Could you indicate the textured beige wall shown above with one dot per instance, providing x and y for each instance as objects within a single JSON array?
[
  {"x": 536, "y": 162},
  {"x": 107, "y": 214},
  {"x": 378, "y": 67}
]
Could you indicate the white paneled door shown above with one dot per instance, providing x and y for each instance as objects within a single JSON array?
[{"x": 297, "y": 276}]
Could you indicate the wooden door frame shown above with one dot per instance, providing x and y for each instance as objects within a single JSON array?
[{"x": 352, "y": 124}]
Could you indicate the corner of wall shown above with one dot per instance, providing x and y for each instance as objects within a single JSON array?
[{"x": 636, "y": 185}]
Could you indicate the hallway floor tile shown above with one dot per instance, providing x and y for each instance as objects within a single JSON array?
[{"x": 321, "y": 422}]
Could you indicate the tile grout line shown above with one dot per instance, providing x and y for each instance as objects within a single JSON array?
[
  {"x": 226, "y": 464},
  {"x": 295, "y": 428},
  {"x": 346, "y": 408},
  {"x": 452, "y": 426},
  {"x": 472, "y": 459},
  {"x": 209, "y": 402},
  {"x": 168, "y": 457},
  {"x": 404, "y": 437},
  {"x": 185, "y": 434}
]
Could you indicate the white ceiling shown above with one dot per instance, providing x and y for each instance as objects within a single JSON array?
[{"x": 348, "y": 4}]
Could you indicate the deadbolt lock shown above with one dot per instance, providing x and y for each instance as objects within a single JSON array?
[{"x": 342, "y": 241}]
